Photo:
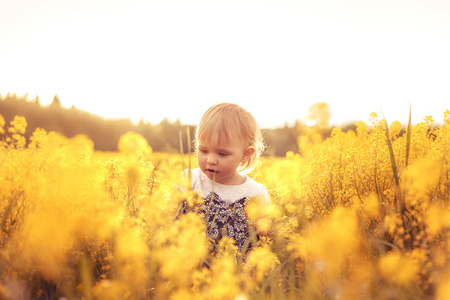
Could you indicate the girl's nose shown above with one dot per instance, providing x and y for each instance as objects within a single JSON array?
[{"x": 211, "y": 159}]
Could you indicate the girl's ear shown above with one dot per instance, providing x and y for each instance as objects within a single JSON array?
[{"x": 248, "y": 153}]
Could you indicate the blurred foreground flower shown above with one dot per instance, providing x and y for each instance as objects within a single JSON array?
[{"x": 132, "y": 143}]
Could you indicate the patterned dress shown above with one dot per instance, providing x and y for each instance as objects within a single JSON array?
[{"x": 223, "y": 208}]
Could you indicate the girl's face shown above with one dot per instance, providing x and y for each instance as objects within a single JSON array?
[{"x": 220, "y": 161}]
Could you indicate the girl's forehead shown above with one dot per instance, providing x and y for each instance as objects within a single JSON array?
[
  {"x": 213, "y": 137},
  {"x": 217, "y": 142}
]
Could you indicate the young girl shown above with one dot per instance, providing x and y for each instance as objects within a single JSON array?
[{"x": 228, "y": 143}]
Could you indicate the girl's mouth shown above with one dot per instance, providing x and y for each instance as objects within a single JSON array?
[{"x": 211, "y": 171}]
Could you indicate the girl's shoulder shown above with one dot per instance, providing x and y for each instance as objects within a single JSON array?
[
  {"x": 258, "y": 189},
  {"x": 194, "y": 175}
]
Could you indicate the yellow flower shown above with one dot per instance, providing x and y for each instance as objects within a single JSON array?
[
  {"x": 422, "y": 176},
  {"x": 372, "y": 206},
  {"x": 290, "y": 154},
  {"x": 446, "y": 116},
  {"x": 429, "y": 121},
  {"x": 262, "y": 260},
  {"x": 134, "y": 143},
  {"x": 2, "y": 125},
  {"x": 225, "y": 283},
  {"x": 437, "y": 219},
  {"x": 391, "y": 223},
  {"x": 185, "y": 247},
  {"x": 394, "y": 129},
  {"x": 398, "y": 268},
  {"x": 331, "y": 241},
  {"x": 69, "y": 215},
  {"x": 110, "y": 290},
  {"x": 300, "y": 246},
  {"x": 261, "y": 214},
  {"x": 18, "y": 125},
  {"x": 443, "y": 289},
  {"x": 256, "y": 208}
]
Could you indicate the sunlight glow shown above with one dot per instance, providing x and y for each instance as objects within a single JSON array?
[{"x": 153, "y": 61}]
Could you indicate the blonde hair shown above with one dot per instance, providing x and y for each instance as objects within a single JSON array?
[{"x": 227, "y": 122}]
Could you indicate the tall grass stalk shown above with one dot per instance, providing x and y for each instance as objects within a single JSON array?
[
  {"x": 398, "y": 196},
  {"x": 408, "y": 145},
  {"x": 408, "y": 139},
  {"x": 189, "y": 142},
  {"x": 182, "y": 151}
]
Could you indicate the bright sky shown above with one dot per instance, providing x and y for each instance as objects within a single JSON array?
[{"x": 174, "y": 58}]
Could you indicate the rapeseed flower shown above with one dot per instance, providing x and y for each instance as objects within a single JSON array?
[
  {"x": 134, "y": 143},
  {"x": 261, "y": 261},
  {"x": 333, "y": 240},
  {"x": 2, "y": 125},
  {"x": 437, "y": 219},
  {"x": 398, "y": 268},
  {"x": 372, "y": 206},
  {"x": 105, "y": 225},
  {"x": 443, "y": 290},
  {"x": 225, "y": 282},
  {"x": 419, "y": 185}
]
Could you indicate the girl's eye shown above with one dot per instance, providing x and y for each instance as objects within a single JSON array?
[
  {"x": 223, "y": 154},
  {"x": 204, "y": 151}
]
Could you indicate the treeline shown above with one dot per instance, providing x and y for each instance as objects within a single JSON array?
[{"x": 105, "y": 133}]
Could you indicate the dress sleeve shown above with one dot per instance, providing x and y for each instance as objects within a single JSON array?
[
  {"x": 183, "y": 179},
  {"x": 263, "y": 192},
  {"x": 181, "y": 182}
]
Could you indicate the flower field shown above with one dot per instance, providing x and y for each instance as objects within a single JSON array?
[{"x": 363, "y": 214}]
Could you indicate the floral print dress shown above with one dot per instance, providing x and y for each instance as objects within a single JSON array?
[{"x": 223, "y": 207}]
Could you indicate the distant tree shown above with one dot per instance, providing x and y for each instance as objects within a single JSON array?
[
  {"x": 56, "y": 102},
  {"x": 105, "y": 133},
  {"x": 36, "y": 100},
  {"x": 281, "y": 140}
]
